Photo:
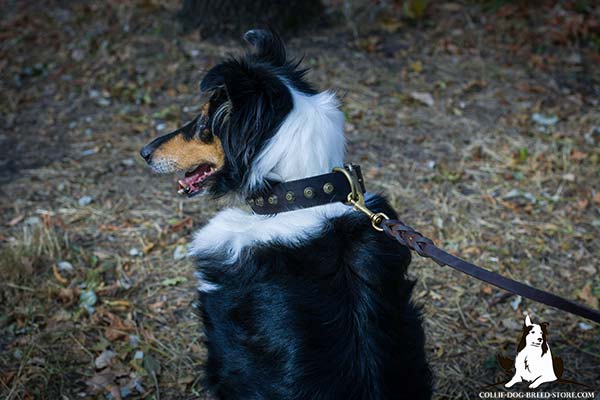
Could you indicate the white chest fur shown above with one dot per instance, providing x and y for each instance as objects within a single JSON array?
[{"x": 232, "y": 229}]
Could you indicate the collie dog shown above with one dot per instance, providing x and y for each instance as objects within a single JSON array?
[
  {"x": 534, "y": 361},
  {"x": 305, "y": 304}
]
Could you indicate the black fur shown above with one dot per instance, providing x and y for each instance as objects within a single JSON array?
[
  {"x": 329, "y": 318},
  {"x": 260, "y": 102}
]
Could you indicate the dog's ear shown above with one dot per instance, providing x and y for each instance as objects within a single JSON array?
[
  {"x": 268, "y": 45},
  {"x": 259, "y": 102},
  {"x": 214, "y": 79},
  {"x": 528, "y": 321},
  {"x": 245, "y": 83}
]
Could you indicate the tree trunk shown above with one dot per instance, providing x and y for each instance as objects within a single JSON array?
[{"x": 234, "y": 17}]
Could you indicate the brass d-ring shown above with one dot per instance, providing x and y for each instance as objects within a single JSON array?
[
  {"x": 356, "y": 199},
  {"x": 377, "y": 220},
  {"x": 354, "y": 194}
]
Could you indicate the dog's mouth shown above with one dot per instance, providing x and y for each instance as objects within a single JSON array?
[{"x": 194, "y": 181}]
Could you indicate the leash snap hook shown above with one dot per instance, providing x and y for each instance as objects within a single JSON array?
[{"x": 357, "y": 199}]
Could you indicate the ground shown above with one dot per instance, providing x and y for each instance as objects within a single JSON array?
[{"x": 481, "y": 124}]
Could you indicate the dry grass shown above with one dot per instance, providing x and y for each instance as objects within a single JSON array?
[{"x": 86, "y": 85}]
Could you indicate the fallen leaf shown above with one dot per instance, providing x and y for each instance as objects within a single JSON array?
[
  {"x": 516, "y": 302},
  {"x": 7, "y": 377},
  {"x": 67, "y": 296},
  {"x": 102, "y": 255},
  {"x": 104, "y": 359},
  {"x": 423, "y": 97},
  {"x": 116, "y": 327},
  {"x": 119, "y": 329},
  {"x": 180, "y": 252},
  {"x": 186, "y": 222},
  {"x": 569, "y": 177},
  {"x": 88, "y": 300},
  {"x": 452, "y": 7},
  {"x": 157, "y": 307},
  {"x": 472, "y": 250},
  {"x": 119, "y": 305},
  {"x": 587, "y": 295},
  {"x": 186, "y": 379},
  {"x": 15, "y": 220},
  {"x": 417, "y": 66},
  {"x": 590, "y": 269},
  {"x": 584, "y": 327},
  {"x": 58, "y": 276},
  {"x": 151, "y": 365},
  {"x": 148, "y": 248},
  {"x": 85, "y": 200},
  {"x": 373, "y": 172},
  {"x": 66, "y": 267},
  {"x": 101, "y": 382},
  {"x": 174, "y": 281},
  {"x": 529, "y": 88},
  {"x": 545, "y": 120},
  {"x": 577, "y": 155},
  {"x": 511, "y": 324},
  {"x": 391, "y": 25}
]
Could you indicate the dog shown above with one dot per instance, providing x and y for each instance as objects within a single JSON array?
[
  {"x": 311, "y": 303},
  {"x": 534, "y": 361}
]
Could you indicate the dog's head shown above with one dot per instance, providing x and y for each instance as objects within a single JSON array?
[
  {"x": 534, "y": 335},
  {"x": 249, "y": 100}
]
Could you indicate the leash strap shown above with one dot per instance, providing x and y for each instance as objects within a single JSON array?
[
  {"x": 424, "y": 247},
  {"x": 346, "y": 185}
]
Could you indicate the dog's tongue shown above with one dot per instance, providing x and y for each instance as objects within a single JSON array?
[
  {"x": 190, "y": 180},
  {"x": 194, "y": 177}
]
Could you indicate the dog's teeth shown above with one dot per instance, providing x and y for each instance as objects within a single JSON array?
[{"x": 183, "y": 188}]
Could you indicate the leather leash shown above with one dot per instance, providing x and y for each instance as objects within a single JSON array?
[
  {"x": 425, "y": 247},
  {"x": 346, "y": 185}
]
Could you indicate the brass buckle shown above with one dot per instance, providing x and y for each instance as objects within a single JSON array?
[{"x": 357, "y": 199}]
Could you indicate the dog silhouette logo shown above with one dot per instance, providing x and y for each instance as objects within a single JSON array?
[{"x": 534, "y": 362}]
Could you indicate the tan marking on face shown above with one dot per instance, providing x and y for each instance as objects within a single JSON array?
[
  {"x": 188, "y": 154},
  {"x": 205, "y": 109}
]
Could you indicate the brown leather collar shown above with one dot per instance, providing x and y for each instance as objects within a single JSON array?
[{"x": 304, "y": 193}]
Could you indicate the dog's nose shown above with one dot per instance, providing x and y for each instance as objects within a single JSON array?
[
  {"x": 539, "y": 339},
  {"x": 146, "y": 153}
]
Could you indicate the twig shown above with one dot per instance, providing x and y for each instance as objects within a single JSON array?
[{"x": 12, "y": 285}]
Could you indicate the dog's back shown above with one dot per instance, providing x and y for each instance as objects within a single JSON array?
[{"x": 329, "y": 318}]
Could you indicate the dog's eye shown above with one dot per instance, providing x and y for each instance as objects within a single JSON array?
[{"x": 205, "y": 135}]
